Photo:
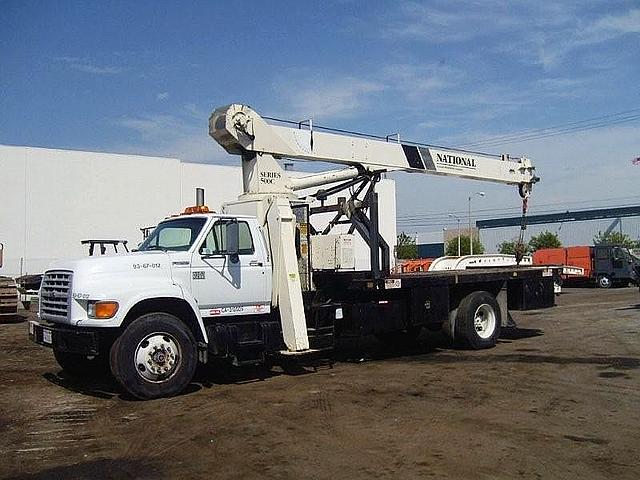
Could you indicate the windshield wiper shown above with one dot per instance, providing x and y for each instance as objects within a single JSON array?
[{"x": 155, "y": 247}]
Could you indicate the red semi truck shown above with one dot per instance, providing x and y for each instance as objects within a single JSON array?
[{"x": 606, "y": 265}]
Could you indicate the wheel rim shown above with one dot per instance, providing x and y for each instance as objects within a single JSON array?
[
  {"x": 605, "y": 282},
  {"x": 157, "y": 357},
  {"x": 484, "y": 320}
]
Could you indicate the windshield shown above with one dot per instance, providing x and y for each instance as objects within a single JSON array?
[{"x": 175, "y": 235}]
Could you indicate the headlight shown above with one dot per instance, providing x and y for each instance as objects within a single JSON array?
[{"x": 103, "y": 309}]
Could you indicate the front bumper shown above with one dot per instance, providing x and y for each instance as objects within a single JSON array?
[{"x": 69, "y": 339}]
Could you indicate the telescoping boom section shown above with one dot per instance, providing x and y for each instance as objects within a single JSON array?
[{"x": 239, "y": 129}]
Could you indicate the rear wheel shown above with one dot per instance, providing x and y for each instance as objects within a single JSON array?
[
  {"x": 478, "y": 320},
  {"x": 155, "y": 356},
  {"x": 82, "y": 366},
  {"x": 604, "y": 281}
]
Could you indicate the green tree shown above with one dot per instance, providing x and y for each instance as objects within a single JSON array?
[
  {"x": 508, "y": 247},
  {"x": 452, "y": 246},
  {"x": 406, "y": 247},
  {"x": 615, "y": 238},
  {"x": 544, "y": 239}
]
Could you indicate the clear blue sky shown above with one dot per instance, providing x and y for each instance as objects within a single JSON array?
[{"x": 143, "y": 76}]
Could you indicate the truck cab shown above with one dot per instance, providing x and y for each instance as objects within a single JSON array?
[
  {"x": 615, "y": 265},
  {"x": 198, "y": 270},
  {"x": 219, "y": 280}
]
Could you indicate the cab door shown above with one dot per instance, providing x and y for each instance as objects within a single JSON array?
[{"x": 226, "y": 284}]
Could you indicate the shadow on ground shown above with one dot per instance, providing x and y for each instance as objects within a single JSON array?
[
  {"x": 13, "y": 318},
  {"x": 207, "y": 376},
  {"x": 630, "y": 307},
  {"x": 429, "y": 347},
  {"x": 101, "y": 469},
  {"x": 520, "y": 333}
]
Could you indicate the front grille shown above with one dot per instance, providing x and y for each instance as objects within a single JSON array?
[{"x": 55, "y": 295}]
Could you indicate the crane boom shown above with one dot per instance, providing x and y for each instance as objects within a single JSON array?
[{"x": 238, "y": 128}]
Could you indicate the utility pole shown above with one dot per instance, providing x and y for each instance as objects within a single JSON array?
[{"x": 458, "y": 220}]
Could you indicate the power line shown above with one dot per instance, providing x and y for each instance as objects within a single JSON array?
[
  {"x": 515, "y": 137},
  {"x": 376, "y": 137},
  {"x": 560, "y": 129},
  {"x": 428, "y": 215},
  {"x": 566, "y": 131},
  {"x": 562, "y": 125},
  {"x": 439, "y": 222}
]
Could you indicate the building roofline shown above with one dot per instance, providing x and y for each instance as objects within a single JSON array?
[{"x": 122, "y": 154}]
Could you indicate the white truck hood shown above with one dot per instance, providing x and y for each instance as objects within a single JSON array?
[
  {"x": 115, "y": 263},
  {"x": 121, "y": 278}
]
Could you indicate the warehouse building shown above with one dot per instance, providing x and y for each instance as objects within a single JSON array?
[{"x": 51, "y": 200}]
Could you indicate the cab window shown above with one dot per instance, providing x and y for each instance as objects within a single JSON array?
[
  {"x": 215, "y": 241},
  {"x": 174, "y": 235}
]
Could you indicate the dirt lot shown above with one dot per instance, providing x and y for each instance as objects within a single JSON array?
[{"x": 557, "y": 398}]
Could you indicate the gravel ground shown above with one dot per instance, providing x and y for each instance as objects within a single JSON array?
[{"x": 557, "y": 398}]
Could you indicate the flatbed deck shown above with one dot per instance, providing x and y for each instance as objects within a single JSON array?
[
  {"x": 518, "y": 271},
  {"x": 526, "y": 287},
  {"x": 471, "y": 275}
]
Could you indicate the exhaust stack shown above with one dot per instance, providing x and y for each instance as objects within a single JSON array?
[{"x": 199, "y": 197}]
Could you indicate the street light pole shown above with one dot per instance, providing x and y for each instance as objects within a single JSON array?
[
  {"x": 480, "y": 194},
  {"x": 470, "y": 235}
]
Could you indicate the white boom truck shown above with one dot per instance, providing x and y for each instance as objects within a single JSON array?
[{"x": 242, "y": 285}]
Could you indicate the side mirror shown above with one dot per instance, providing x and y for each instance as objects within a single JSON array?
[{"x": 233, "y": 240}]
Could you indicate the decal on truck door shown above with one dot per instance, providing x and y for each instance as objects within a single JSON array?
[{"x": 211, "y": 311}]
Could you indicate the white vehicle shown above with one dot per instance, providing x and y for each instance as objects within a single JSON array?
[{"x": 243, "y": 284}]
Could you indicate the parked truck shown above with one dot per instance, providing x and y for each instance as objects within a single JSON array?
[
  {"x": 264, "y": 278},
  {"x": 8, "y": 292},
  {"x": 603, "y": 265}
]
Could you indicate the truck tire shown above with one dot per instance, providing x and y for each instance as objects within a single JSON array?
[
  {"x": 81, "y": 366},
  {"x": 604, "y": 281},
  {"x": 154, "y": 357},
  {"x": 478, "y": 321}
]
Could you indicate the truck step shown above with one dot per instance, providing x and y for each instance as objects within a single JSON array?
[
  {"x": 302, "y": 353},
  {"x": 321, "y": 341},
  {"x": 250, "y": 343},
  {"x": 311, "y": 331}
]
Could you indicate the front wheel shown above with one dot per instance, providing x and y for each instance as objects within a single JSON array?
[
  {"x": 154, "y": 357},
  {"x": 604, "y": 281},
  {"x": 478, "y": 320}
]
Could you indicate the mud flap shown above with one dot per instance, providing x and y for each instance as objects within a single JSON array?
[{"x": 502, "y": 299}]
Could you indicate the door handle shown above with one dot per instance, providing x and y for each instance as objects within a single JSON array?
[{"x": 255, "y": 263}]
